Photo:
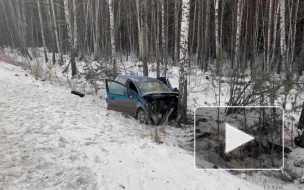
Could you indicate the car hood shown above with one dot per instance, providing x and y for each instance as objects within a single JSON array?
[
  {"x": 160, "y": 94},
  {"x": 159, "y": 105}
]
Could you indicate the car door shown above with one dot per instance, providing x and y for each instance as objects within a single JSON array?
[
  {"x": 133, "y": 99},
  {"x": 165, "y": 81},
  {"x": 117, "y": 95},
  {"x": 132, "y": 102}
]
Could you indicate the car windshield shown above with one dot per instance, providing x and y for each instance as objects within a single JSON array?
[{"x": 153, "y": 87}]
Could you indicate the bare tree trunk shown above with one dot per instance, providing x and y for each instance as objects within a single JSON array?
[
  {"x": 194, "y": 27},
  {"x": 164, "y": 47},
  {"x": 255, "y": 36},
  {"x": 8, "y": 26},
  {"x": 56, "y": 32},
  {"x": 217, "y": 41},
  {"x": 176, "y": 31},
  {"x": 42, "y": 32},
  {"x": 245, "y": 39},
  {"x": 139, "y": 30},
  {"x": 96, "y": 32},
  {"x": 301, "y": 57},
  {"x": 157, "y": 42},
  {"x": 269, "y": 35},
  {"x": 24, "y": 24},
  {"x": 200, "y": 37},
  {"x": 32, "y": 40},
  {"x": 20, "y": 24},
  {"x": 206, "y": 40},
  {"x": 288, "y": 40},
  {"x": 275, "y": 22},
  {"x": 294, "y": 31},
  {"x": 238, "y": 31},
  {"x": 113, "y": 47},
  {"x": 145, "y": 39},
  {"x": 75, "y": 28},
  {"x": 70, "y": 37},
  {"x": 86, "y": 46},
  {"x": 282, "y": 37},
  {"x": 221, "y": 26},
  {"x": 50, "y": 30},
  {"x": 15, "y": 24},
  {"x": 184, "y": 52}
]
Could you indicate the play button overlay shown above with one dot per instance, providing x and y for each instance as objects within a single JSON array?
[
  {"x": 235, "y": 138},
  {"x": 239, "y": 138}
]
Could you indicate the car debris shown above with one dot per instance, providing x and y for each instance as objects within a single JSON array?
[
  {"x": 77, "y": 93},
  {"x": 299, "y": 163},
  {"x": 300, "y": 180}
]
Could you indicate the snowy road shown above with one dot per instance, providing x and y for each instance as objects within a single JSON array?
[{"x": 51, "y": 139}]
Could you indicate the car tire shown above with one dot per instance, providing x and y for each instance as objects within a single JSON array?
[{"x": 141, "y": 116}]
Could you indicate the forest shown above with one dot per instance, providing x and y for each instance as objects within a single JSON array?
[
  {"x": 58, "y": 56},
  {"x": 265, "y": 36}
]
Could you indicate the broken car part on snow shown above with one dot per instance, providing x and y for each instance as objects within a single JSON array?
[{"x": 77, "y": 93}]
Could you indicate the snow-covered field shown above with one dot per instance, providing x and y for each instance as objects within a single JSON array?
[{"x": 51, "y": 139}]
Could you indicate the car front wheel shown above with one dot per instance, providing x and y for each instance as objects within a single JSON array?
[{"x": 141, "y": 116}]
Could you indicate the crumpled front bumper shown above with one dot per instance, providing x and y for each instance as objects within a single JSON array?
[{"x": 157, "y": 118}]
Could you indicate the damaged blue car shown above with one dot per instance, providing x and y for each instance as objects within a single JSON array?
[{"x": 150, "y": 100}]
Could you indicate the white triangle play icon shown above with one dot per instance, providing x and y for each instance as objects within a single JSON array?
[{"x": 235, "y": 138}]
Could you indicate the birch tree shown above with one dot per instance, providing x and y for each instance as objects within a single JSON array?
[
  {"x": 42, "y": 32},
  {"x": 50, "y": 30},
  {"x": 145, "y": 40},
  {"x": 184, "y": 62},
  {"x": 113, "y": 47},
  {"x": 164, "y": 39},
  {"x": 282, "y": 36},
  {"x": 70, "y": 37},
  {"x": 217, "y": 40},
  {"x": 272, "y": 28},
  {"x": 56, "y": 32},
  {"x": 157, "y": 44},
  {"x": 163, "y": 22}
]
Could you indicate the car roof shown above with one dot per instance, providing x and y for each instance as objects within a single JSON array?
[{"x": 138, "y": 79}]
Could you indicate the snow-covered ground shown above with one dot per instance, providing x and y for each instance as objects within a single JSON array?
[{"x": 51, "y": 139}]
